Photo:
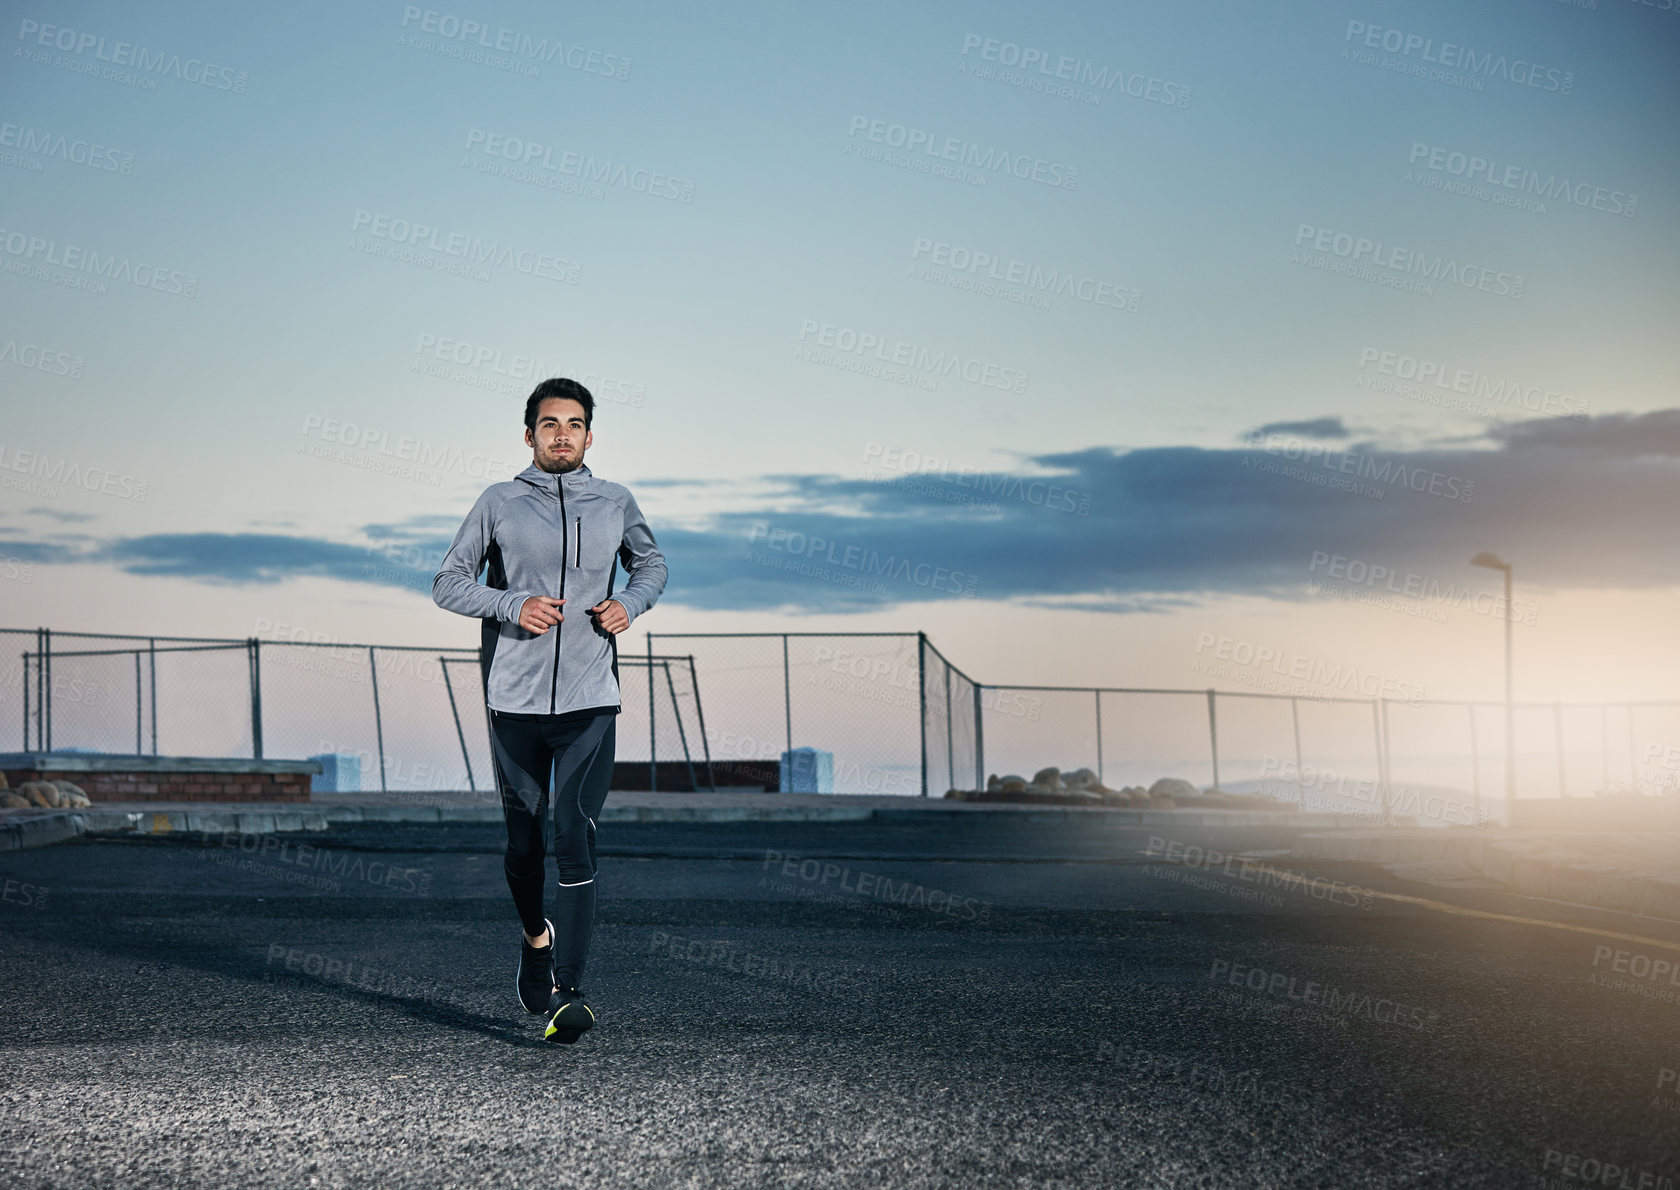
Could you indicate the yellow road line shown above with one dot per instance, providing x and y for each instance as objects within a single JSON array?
[{"x": 1460, "y": 910}]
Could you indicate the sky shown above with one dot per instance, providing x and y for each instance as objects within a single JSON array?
[{"x": 1099, "y": 342}]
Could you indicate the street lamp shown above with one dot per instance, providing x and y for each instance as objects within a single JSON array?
[{"x": 1491, "y": 562}]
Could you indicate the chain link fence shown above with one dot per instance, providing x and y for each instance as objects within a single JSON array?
[{"x": 719, "y": 710}]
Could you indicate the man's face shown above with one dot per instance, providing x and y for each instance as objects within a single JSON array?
[{"x": 558, "y": 442}]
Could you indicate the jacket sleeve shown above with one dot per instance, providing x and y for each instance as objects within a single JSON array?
[
  {"x": 456, "y": 588},
  {"x": 644, "y": 565}
]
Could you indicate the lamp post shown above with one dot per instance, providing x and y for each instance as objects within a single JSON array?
[{"x": 1491, "y": 562}]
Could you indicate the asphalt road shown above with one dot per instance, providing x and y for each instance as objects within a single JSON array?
[{"x": 966, "y": 1003}]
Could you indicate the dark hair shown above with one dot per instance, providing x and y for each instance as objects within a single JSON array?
[{"x": 558, "y": 387}]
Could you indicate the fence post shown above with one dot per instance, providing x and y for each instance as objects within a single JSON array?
[
  {"x": 378, "y": 720},
  {"x": 1633, "y": 764},
  {"x": 137, "y": 707},
  {"x": 700, "y": 714},
  {"x": 1475, "y": 763},
  {"x": 1300, "y": 767},
  {"x": 1376, "y": 735},
  {"x": 454, "y": 714},
  {"x": 1557, "y": 743},
  {"x": 1387, "y": 757},
  {"x": 46, "y": 668},
  {"x": 693, "y": 781},
  {"x": 151, "y": 666},
  {"x": 921, "y": 700},
  {"x": 1099, "y": 738},
  {"x": 253, "y": 650},
  {"x": 1213, "y": 736},
  {"x": 787, "y": 701},
  {"x": 950, "y": 751},
  {"x": 26, "y": 700},
  {"x": 1604, "y": 746},
  {"x": 653, "y": 737},
  {"x": 979, "y": 743}
]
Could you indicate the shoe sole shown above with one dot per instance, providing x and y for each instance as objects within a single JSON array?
[
  {"x": 517, "y": 994},
  {"x": 574, "y": 1025}
]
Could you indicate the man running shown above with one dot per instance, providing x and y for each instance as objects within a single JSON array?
[{"x": 552, "y": 690}]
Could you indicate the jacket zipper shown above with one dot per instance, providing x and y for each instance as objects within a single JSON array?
[
  {"x": 577, "y": 537},
  {"x": 554, "y": 681}
]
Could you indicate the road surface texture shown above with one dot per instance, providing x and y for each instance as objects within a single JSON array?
[{"x": 972, "y": 1002}]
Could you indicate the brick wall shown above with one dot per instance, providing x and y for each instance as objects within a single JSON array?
[{"x": 176, "y": 787}]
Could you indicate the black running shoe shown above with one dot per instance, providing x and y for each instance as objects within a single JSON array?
[
  {"x": 569, "y": 1018},
  {"x": 536, "y": 972}
]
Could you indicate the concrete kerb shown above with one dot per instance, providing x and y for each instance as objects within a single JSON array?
[{"x": 25, "y": 829}]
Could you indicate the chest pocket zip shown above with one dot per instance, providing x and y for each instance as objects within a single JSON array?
[{"x": 577, "y": 536}]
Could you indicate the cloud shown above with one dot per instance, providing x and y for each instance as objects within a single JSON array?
[
  {"x": 1318, "y": 427},
  {"x": 1573, "y": 503}
]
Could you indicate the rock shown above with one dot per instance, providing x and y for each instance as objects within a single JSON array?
[
  {"x": 40, "y": 793},
  {"x": 992, "y": 783},
  {"x": 4, "y": 784},
  {"x": 957, "y": 795},
  {"x": 12, "y": 801},
  {"x": 1081, "y": 797},
  {"x": 1162, "y": 803},
  {"x": 70, "y": 794},
  {"x": 1172, "y": 787},
  {"x": 1080, "y": 779},
  {"x": 1050, "y": 778},
  {"x": 1011, "y": 785}
]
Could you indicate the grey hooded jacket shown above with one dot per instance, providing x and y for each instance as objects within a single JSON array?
[{"x": 561, "y": 535}]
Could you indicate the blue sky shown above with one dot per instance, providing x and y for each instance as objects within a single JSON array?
[{"x": 1173, "y": 347}]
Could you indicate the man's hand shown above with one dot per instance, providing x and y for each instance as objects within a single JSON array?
[
  {"x": 610, "y": 614},
  {"x": 539, "y": 613}
]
